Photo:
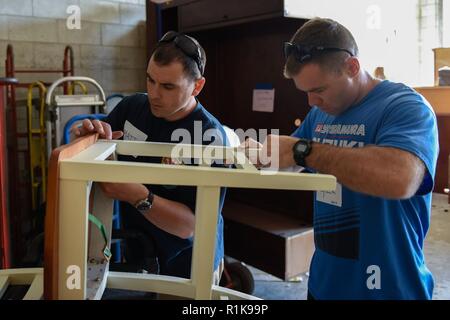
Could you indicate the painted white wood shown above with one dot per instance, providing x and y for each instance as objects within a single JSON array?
[
  {"x": 243, "y": 162},
  {"x": 101, "y": 151},
  {"x": 73, "y": 238},
  {"x": 151, "y": 283},
  {"x": 169, "y": 285},
  {"x": 97, "y": 276},
  {"x": 23, "y": 276},
  {"x": 98, "y": 266},
  {"x": 206, "y": 215},
  {"x": 76, "y": 176},
  {"x": 159, "y": 149},
  {"x": 221, "y": 293},
  {"x": 36, "y": 290},
  {"x": 89, "y": 165},
  {"x": 102, "y": 209},
  {"x": 120, "y": 171},
  {"x": 4, "y": 283}
]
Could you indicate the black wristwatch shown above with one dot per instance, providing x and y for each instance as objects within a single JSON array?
[
  {"x": 302, "y": 148},
  {"x": 145, "y": 204}
]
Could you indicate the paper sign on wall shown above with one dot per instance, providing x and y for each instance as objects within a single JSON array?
[{"x": 263, "y": 98}]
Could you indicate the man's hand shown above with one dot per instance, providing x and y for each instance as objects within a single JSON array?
[
  {"x": 251, "y": 148},
  {"x": 277, "y": 151},
  {"x": 92, "y": 126}
]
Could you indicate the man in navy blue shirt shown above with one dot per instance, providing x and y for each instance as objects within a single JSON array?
[
  {"x": 380, "y": 140},
  {"x": 168, "y": 113}
]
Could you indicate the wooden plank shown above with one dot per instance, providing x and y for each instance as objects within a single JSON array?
[
  {"x": 51, "y": 245},
  {"x": 73, "y": 239},
  {"x": 21, "y": 276},
  {"x": 137, "y": 172},
  {"x": 442, "y": 173},
  {"x": 151, "y": 283},
  {"x": 4, "y": 283},
  {"x": 103, "y": 210},
  {"x": 288, "y": 243},
  {"x": 299, "y": 252},
  {"x": 268, "y": 221},
  {"x": 206, "y": 212},
  {"x": 36, "y": 290},
  {"x": 97, "y": 276},
  {"x": 98, "y": 266},
  {"x": 438, "y": 97}
]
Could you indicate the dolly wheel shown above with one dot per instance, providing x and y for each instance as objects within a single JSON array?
[{"x": 238, "y": 277}]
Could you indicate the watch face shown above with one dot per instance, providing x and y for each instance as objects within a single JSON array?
[
  {"x": 301, "y": 147},
  {"x": 144, "y": 206}
]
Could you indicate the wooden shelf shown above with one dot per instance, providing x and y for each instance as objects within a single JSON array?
[
  {"x": 438, "y": 97},
  {"x": 275, "y": 243}
]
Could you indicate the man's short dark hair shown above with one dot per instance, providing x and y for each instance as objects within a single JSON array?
[
  {"x": 324, "y": 33},
  {"x": 166, "y": 53}
]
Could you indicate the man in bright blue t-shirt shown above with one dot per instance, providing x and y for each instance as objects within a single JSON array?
[{"x": 380, "y": 140}]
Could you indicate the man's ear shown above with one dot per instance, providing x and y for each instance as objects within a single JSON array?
[
  {"x": 199, "y": 84},
  {"x": 353, "y": 66}
]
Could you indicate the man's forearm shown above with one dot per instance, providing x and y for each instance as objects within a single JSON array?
[
  {"x": 171, "y": 216},
  {"x": 377, "y": 171}
]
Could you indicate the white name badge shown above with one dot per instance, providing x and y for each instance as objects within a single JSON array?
[
  {"x": 331, "y": 197},
  {"x": 131, "y": 133}
]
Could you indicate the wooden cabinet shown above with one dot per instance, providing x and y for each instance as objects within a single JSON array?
[
  {"x": 439, "y": 98},
  {"x": 208, "y": 14},
  {"x": 271, "y": 230},
  {"x": 441, "y": 59}
]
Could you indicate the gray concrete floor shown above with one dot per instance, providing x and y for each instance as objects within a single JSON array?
[{"x": 437, "y": 255}]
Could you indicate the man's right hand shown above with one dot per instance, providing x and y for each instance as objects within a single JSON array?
[
  {"x": 92, "y": 126},
  {"x": 252, "y": 149}
]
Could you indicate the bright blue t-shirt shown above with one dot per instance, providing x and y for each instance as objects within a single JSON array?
[
  {"x": 133, "y": 116},
  {"x": 370, "y": 247}
]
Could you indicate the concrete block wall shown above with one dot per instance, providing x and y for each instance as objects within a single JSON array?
[{"x": 110, "y": 46}]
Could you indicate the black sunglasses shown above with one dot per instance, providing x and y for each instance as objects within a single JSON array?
[
  {"x": 187, "y": 45},
  {"x": 304, "y": 53}
]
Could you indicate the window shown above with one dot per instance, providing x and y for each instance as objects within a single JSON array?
[{"x": 397, "y": 35}]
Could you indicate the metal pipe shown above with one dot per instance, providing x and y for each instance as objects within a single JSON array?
[
  {"x": 13, "y": 157},
  {"x": 52, "y": 108},
  {"x": 42, "y": 154},
  {"x": 5, "y": 244},
  {"x": 39, "y": 71}
]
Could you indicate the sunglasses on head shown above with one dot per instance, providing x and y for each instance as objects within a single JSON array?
[
  {"x": 305, "y": 53},
  {"x": 186, "y": 44}
]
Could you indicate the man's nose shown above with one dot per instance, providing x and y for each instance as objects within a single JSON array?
[{"x": 154, "y": 92}]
